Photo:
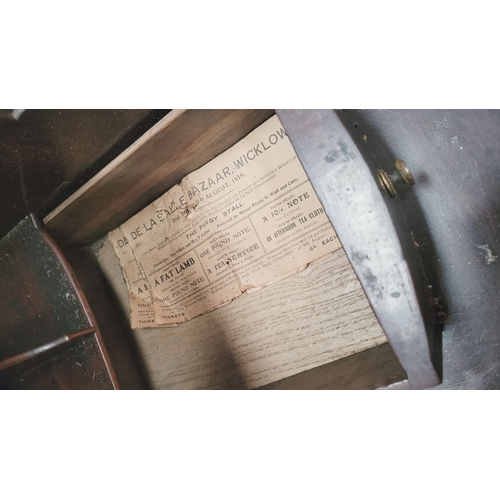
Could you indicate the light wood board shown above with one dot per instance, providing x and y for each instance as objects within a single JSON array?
[{"x": 300, "y": 323}]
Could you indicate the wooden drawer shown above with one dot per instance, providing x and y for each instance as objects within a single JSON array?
[{"x": 314, "y": 330}]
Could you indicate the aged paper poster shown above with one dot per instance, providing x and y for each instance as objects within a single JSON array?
[{"x": 247, "y": 219}]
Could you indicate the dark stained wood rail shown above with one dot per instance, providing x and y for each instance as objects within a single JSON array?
[
  {"x": 181, "y": 142},
  {"x": 50, "y": 337}
]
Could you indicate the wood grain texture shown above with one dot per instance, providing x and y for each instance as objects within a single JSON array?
[
  {"x": 303, "y": 322},
  {"x": 178, "y": 144},
  {"x": 371, "y": 369}
]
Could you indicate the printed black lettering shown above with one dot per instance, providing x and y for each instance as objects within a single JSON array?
[{"x": 281, "y": 133}]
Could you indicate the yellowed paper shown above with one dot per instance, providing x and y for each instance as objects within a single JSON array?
[{"x": 247, "y": 219}]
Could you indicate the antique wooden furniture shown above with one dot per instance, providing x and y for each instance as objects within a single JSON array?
[
  {"x": 314, "y": 330},
  {"x": 373, "y": 232},
  {"x": 55, "y": 335},
  {"x": 313, "y": 338},
  {"x": 452, "y": 215}
]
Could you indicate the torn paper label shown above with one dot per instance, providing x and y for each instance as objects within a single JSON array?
[{"x": 247, "y": 219}]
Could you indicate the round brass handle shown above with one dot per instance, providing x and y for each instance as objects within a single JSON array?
[{"x": 401, "y": 174}]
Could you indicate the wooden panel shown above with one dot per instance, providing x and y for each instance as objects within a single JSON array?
[
  {"x": 373, "y": 232},
  {"x": 454, "y": 214},
  {"x": 181, "y": 142},
  {"x": 371, "y": 369},
  {"x": 48, "y": 154},
  {"x": 303, "y": 322}
]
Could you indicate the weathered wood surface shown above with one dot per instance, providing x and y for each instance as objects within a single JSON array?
[
  {"x": 375, "y": 368},
  {"x": 454, "y": 214},
  {"x": 374, "y": 233},
  {"x": 178, "y": 144},
  {"x": 298, "y": 324}
]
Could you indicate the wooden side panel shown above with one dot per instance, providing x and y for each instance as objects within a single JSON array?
[
  {"x": 371, "y": 369},
  {"x": 374, "y": 235},
  {"x": 181, "y": 142}
]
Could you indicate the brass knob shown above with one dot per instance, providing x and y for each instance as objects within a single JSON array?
[{"x": 401, "y": 174}]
